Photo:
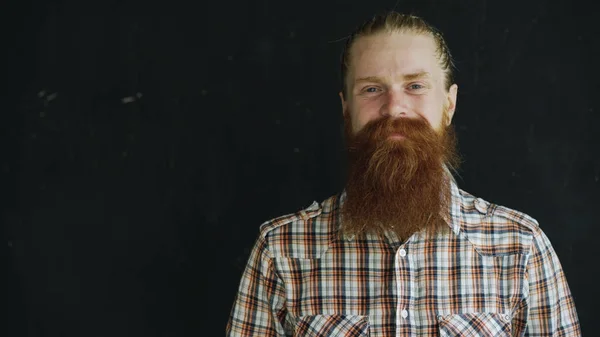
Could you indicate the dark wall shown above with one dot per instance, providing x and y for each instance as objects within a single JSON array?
[{"x": 145, "y": 143}]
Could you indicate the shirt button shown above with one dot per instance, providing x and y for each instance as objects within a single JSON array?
[
  {"x": 481, "y": 206},
  {"x": 402, "y": 252},
  {"x": 404, "y": 313}
]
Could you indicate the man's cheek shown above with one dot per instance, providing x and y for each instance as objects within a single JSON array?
[{"x": 358, "y": 125}]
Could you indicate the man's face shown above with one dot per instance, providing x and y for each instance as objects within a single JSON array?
[
  {"x": 397, "y": 117},
  {"x": 397, "y": 75}
]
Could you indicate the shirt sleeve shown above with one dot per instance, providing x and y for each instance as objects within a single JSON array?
[
  {"x": 259, "y": 306},
  {"x": 550, "y": 308}
]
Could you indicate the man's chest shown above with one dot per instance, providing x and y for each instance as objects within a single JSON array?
[{"x": 417, "y": 289}]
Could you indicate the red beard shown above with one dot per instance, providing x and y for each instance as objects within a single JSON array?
[{"x": 398, "y": 185}]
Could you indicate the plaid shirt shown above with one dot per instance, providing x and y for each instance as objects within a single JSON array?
[{"x": 494, "y": 274}]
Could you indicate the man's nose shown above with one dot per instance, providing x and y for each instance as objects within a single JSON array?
[{"x": 396, "y": 104}]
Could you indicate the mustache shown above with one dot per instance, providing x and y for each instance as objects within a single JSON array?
[{"x": 379, "y": 130}]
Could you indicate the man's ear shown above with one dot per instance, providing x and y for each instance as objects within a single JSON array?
[
  {"x": 345, "y": 112},
  {"x": 451, "y": 101}
]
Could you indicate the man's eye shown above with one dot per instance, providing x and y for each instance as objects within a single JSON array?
[
  {"x": 371, "y": 89},
  {"x": 416, "y": 86}
]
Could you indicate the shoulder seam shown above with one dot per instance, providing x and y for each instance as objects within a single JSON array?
[{"x": 516, "y": 216}]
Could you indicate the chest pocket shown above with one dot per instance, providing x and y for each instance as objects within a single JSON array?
[
  {"x": 332, "y": 325},
  {"x": 475, "y": 324}
]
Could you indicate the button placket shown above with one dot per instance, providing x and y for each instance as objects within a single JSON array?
[
  {"x": 402, "y": 267},
  {"x": 412, "y": 285}
]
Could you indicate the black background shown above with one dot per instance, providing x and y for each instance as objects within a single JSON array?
[{"x": 135, "y": 217}]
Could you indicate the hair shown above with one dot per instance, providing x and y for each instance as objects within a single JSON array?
[{"x": 394, "y": 22}]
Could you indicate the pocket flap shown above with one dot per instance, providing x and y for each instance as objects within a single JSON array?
[
  {"x": 475, "y": 324},
  {"x": 333, "y": 325}
]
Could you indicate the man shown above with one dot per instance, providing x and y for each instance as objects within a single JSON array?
[{"x": 402, "y": 251}]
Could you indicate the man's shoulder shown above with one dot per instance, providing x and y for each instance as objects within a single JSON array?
[
  {"x": 496, "y": 229},
  {"x": 479, "y": 208},
  {"x": 291, "y": 219},
  {"x": 305, "y": 233}
]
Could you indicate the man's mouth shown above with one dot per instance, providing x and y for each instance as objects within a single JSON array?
[{"x": 396, "y": 135}]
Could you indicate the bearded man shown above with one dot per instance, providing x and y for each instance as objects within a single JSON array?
[{"x": 402, "y": 251}]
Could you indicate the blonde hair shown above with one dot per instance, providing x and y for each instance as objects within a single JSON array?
[{"x": 394, "y": 22}]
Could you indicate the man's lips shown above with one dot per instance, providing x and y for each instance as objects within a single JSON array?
[{"x": 396, "y": 135}]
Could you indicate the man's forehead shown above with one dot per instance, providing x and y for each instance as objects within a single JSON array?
[{"x": 403, "y": 54}]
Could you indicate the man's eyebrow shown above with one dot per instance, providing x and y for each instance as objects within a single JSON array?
[
  {"x": 368, "y": 79},
  {"x": 417, "y": 75},
  {"x": 405, "y": 77}
]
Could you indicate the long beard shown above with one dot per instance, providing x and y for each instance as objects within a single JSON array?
[{"x": 398, "y": 185}]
